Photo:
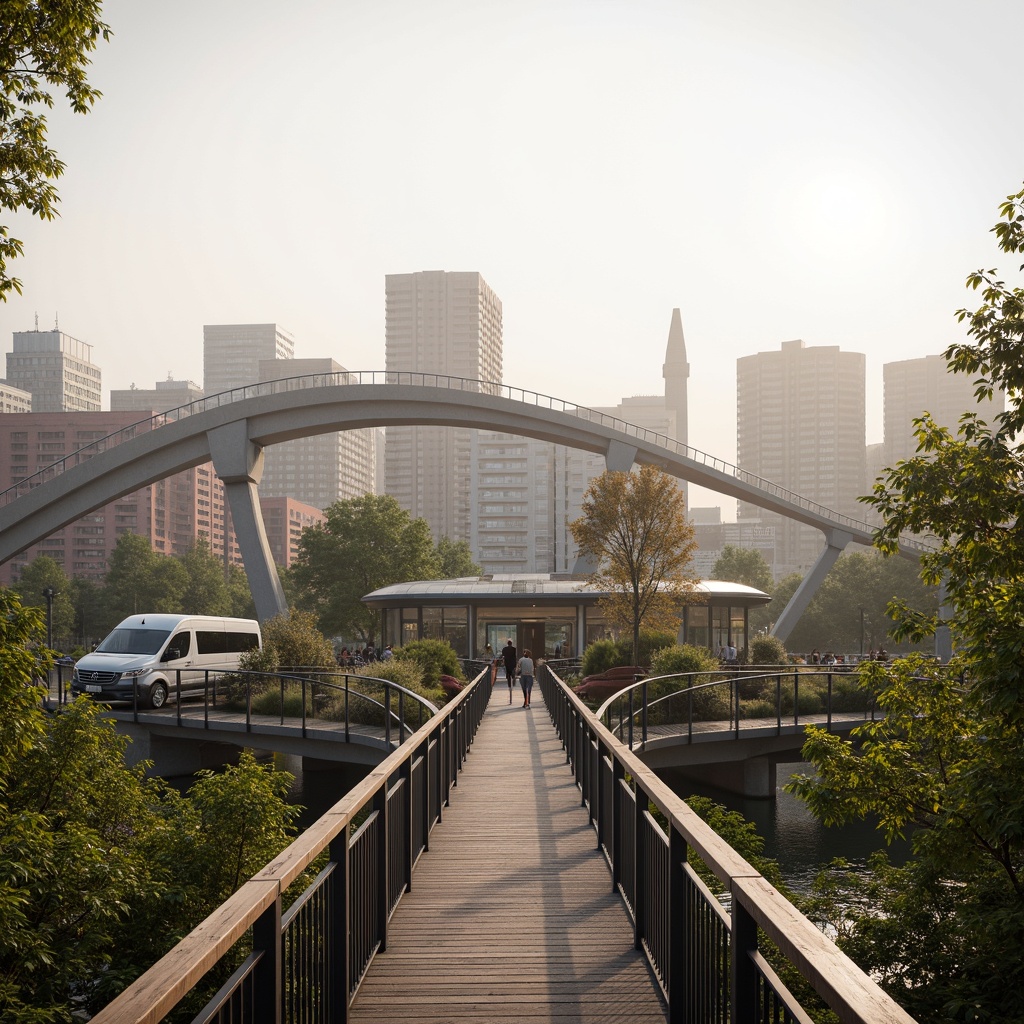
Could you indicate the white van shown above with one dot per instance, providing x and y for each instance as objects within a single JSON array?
[{"x": 146, "y": 653}]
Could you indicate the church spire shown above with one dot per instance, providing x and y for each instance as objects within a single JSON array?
[{"x": 676, "y": 371}]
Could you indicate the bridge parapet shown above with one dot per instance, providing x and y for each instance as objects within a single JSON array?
[{"x": 380, "y": 379}]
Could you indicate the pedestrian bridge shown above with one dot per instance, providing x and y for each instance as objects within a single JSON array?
[
  {"x": 506, "y": 864},
  {"x": 232, "y": 429}
]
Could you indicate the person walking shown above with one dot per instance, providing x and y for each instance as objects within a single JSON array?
[
  {"x": 508, "y": 655},
  {"x": 525, "y": 670}
]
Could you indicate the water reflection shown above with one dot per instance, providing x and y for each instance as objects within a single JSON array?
[{"x": 792, "y": 835}]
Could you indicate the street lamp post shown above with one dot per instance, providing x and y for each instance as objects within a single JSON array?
[
  {"x": 862, "y": 632},
  {"x": 49, "y": 593}
]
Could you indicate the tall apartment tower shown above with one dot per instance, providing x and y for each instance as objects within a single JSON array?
[
  {"x": 57, "y": 370},
  {"x": 800, "y": 423},
  {"x": 450, "y": 324},
  {"x": 916, "y": 386},
  {"x": 323, "y": 468},
  {"x": 232, "y": 353}
]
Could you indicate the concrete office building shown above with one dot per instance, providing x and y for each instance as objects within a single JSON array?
[
  {"x": 232, "y": 353},
  {"x": 324, "y": 468},
  {"x": 162, "y": 397},
  {"x": 14, "y": 399},
  {"x": 57, "y": 370},
  {"x": 800, "y": 423},
  {"x": 449, "y": 324},
  {"x": 916, "y": 386}
]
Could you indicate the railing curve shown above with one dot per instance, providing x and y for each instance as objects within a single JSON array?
[{"x": 712, "y": 963}]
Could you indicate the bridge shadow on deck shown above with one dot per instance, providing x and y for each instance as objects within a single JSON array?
[{"x": 511, "y": 914}]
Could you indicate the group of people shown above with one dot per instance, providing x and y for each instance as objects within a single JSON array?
[
  {"x": 515, "y": 665},
  {"x": 363, "y": 655}
]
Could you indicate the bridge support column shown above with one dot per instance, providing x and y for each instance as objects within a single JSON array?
[
  {"x": 619, "y": 458},
  {"x": 835, "y": 542},
  {"x": 171, "y": 756},
  {"x": 239, "y": 464}
]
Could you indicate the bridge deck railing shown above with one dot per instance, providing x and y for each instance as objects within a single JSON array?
[
  {"x": 297, "y": 696},
  {"x": 442, "y": 382},
  {"x": 712, "y": 963},
  {"x": 733, "y": 701},
  {"x": 309, "y": 957}
]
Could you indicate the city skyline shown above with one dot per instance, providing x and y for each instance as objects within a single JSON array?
[{"x": 803, "y": 170}]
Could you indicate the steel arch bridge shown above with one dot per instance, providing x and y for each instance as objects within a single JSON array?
[{"x": 232, "y": 429}]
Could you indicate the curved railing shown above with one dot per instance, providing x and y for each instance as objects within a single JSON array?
[
  {"x": 311, "y": 952},
  {"x": 713, "y": 964},
  {"x": 533, "y": 399},
  {"x": 730, "y": 702},
  {"x": 344, "y": 699}
]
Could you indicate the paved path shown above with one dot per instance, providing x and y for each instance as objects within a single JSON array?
[{"x": 511, "y": 916}]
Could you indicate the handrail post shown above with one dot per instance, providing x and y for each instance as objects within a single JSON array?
[
  {"x": 743, "y": 974},
  {"x": 380, "y": 805},
  {"x": 643, "y": 717},
  {"x": 339, "y": 941},
  {"x": 618, "y": 777},
  {"x": 678, "y": 934},
  {"x": 639, "y": 865},
  {"x": 267, "y": 987}
]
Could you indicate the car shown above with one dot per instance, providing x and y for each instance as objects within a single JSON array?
[{"x": 602, "y": 685}]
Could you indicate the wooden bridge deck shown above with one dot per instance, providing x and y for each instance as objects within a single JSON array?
[{"x": 511, "y": 915}]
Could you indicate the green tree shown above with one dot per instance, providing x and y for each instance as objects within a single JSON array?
[
  {"x": 743, "y": 565},
  {"x": 102, "y": 869},
  {"x": 291, "y": 641},
  {"x": 140, "y": 580},
  {"x": 40, "y": 573},
  {"x": 242, "y": 605},
  {"x": 455, "y": 560},
  {"x": 44, "y": 47},
  {"x": 364, "y": 544},
  {"x": 946, "y": 765},
  {"x": 206, "y": 591},
  {"x": 635, "y": 526}
]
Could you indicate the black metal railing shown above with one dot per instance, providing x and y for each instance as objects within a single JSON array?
[
  {"x": 730, "y": 702},
  {"x": 304, "y": 962},
  {"x": 707, "y": 952}
]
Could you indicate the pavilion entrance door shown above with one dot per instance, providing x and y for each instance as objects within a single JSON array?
[{"x": 531, "y": 637}]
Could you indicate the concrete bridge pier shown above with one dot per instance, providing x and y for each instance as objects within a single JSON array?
[
  {"x": 172, "y": 756},
  {"x": 754, "y": 777},
  {"x": 239, "y": 464}
]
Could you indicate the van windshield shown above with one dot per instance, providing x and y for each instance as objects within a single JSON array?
[{"x": 133, "y": 641}]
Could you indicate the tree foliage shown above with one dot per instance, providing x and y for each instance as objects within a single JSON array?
[
  {"x": 40, "y": 573},
  {"x": 946, "y": 765},
  {"x": 743, "y": 565},
  {"x": 363, "y": 544},
  {"x": 102, "y": 869},
  {"x": 455, "y": 560},
  {"x": 45, "y": 47},
  {"x": 635, "y": 526}
]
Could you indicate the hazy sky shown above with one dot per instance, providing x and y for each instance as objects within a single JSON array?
[{"x": 794, "y": 169}]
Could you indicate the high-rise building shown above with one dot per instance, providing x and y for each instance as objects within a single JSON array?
[
  {"x": 162, "y": 397},
  {"x": 57, "y": 370},
  {"x": 14, "y": 399},
  {"x": 173, "y": 514},
  {"x": 285, "y": 519},
  {"x": 916, "y": 386},
  {"x": 800, "y": 423},
  {"x": 448, "y": 324},
  {"x": 323, "y": 468},
  {"x": 232, "y": 353}
]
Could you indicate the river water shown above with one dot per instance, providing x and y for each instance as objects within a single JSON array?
[{"x": 793, "y": 837}]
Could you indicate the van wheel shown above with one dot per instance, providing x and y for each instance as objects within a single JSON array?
[{"x": 158, "y": 695}]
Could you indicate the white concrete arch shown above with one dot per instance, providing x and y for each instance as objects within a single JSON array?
[{"x": 233, "y": 429}]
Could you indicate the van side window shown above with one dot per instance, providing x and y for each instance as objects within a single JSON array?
[
  {"x": 210, "y": 641},
  {"x": 180, "y": 642},
  {"x": 238, "y": 642}
]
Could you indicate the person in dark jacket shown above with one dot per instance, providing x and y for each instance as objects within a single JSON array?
[{"x": 508, "y": 655}]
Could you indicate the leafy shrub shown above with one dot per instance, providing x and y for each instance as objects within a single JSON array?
[
  {"x": 768, "y": 650},
  {"x": 651, "y": 642},
  {"x": 599, "y": 656},
  {"x": 297, "y": 641},
  {"x": 683, "y": 658},
  {"x": 760, "y": 708},
  {"x": 434, "y": 657}
]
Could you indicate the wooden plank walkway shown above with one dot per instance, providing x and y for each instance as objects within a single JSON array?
[{"x": 511, "y": 916}]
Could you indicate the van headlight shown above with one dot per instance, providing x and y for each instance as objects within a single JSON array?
[{"x": 134, "y": 673}]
